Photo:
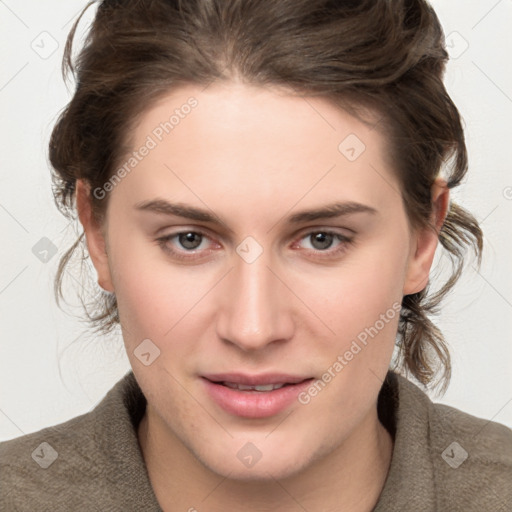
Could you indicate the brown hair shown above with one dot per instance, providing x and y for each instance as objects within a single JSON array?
[{"x": 380, "y": 56}]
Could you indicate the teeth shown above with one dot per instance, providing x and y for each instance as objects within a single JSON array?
[{"x": 244, "y": 387}]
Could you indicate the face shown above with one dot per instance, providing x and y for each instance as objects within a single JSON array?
[{"x": 241, "y": 287}]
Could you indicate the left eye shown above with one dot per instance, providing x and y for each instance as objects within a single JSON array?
[
  {"x": 189, "y": 239},
  {"x": 322, "y": 240}
]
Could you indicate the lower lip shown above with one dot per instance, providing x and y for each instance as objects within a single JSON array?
[{"x": 254, "y": 404}]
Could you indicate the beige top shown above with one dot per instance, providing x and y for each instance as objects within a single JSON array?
[{"x": 443, "y": 459}]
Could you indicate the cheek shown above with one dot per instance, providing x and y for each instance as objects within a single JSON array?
[
  {"x": 366, "y": 285},
  {"x": 362, "y": 307},
  {"x": 150, "y": 293},
  {"x": 161, "y": 301},
  {"x": 361, "y": 304}
]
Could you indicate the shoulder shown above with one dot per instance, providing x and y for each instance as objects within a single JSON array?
[
  {"x": 471, "y": 457},
  {"x": 486, "y": 438},
  {"x": 37, "y": 466},
  {"x": 89, "y": 461}
]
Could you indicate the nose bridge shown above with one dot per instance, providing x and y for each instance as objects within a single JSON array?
[{"x": 254, "y": 312}]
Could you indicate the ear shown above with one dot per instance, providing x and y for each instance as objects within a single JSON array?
[
  {"x": 96, "y": 242},
  {"x": 425, "y": 240}
]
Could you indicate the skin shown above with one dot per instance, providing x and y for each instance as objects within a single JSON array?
[{"x": 252, "y": 157}]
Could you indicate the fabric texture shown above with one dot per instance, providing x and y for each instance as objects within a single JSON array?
[{"x": 443, "y": 459}]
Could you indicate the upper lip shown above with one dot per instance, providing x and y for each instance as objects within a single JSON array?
[{"x": 255, "y": 380}]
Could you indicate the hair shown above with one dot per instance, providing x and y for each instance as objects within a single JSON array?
[{"x": 379, "y": 56}]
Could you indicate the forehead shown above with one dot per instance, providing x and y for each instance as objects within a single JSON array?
[
  {"x": 267, "y": 143},
  {"x": 238, "y": 110}
]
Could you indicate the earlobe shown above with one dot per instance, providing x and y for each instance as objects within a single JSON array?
[
  {"x": 426, "y": 240},
  {"x": 95, "y": 239}
]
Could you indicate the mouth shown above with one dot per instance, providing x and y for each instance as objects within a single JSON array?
[
  {"x": 257, "y": 396},
  {"x": 261, "y": 388}
]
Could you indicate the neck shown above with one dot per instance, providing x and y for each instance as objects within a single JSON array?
[{"x": 353, "y": 474}]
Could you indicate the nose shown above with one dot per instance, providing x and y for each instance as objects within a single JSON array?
[{"x": 254, "y": 306}]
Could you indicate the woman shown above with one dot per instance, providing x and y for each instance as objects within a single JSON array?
[{"x": 262, "y": 187}]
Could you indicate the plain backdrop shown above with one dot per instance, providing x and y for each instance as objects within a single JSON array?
[{"x": 52, "y": 369}]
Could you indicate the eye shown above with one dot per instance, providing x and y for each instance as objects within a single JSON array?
[
  {"x": 321, "y": 241},
  {"x": 189, "y": 239},
  {"x": 186, "y": 242}
]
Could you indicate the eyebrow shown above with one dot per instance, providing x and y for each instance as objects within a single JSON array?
[{"x": 333, "y": 210}]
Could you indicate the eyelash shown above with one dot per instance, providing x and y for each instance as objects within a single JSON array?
[{"x": 344, "y": 241}]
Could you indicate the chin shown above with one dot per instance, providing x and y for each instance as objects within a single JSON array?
[{"x": 243, "y": 463}]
